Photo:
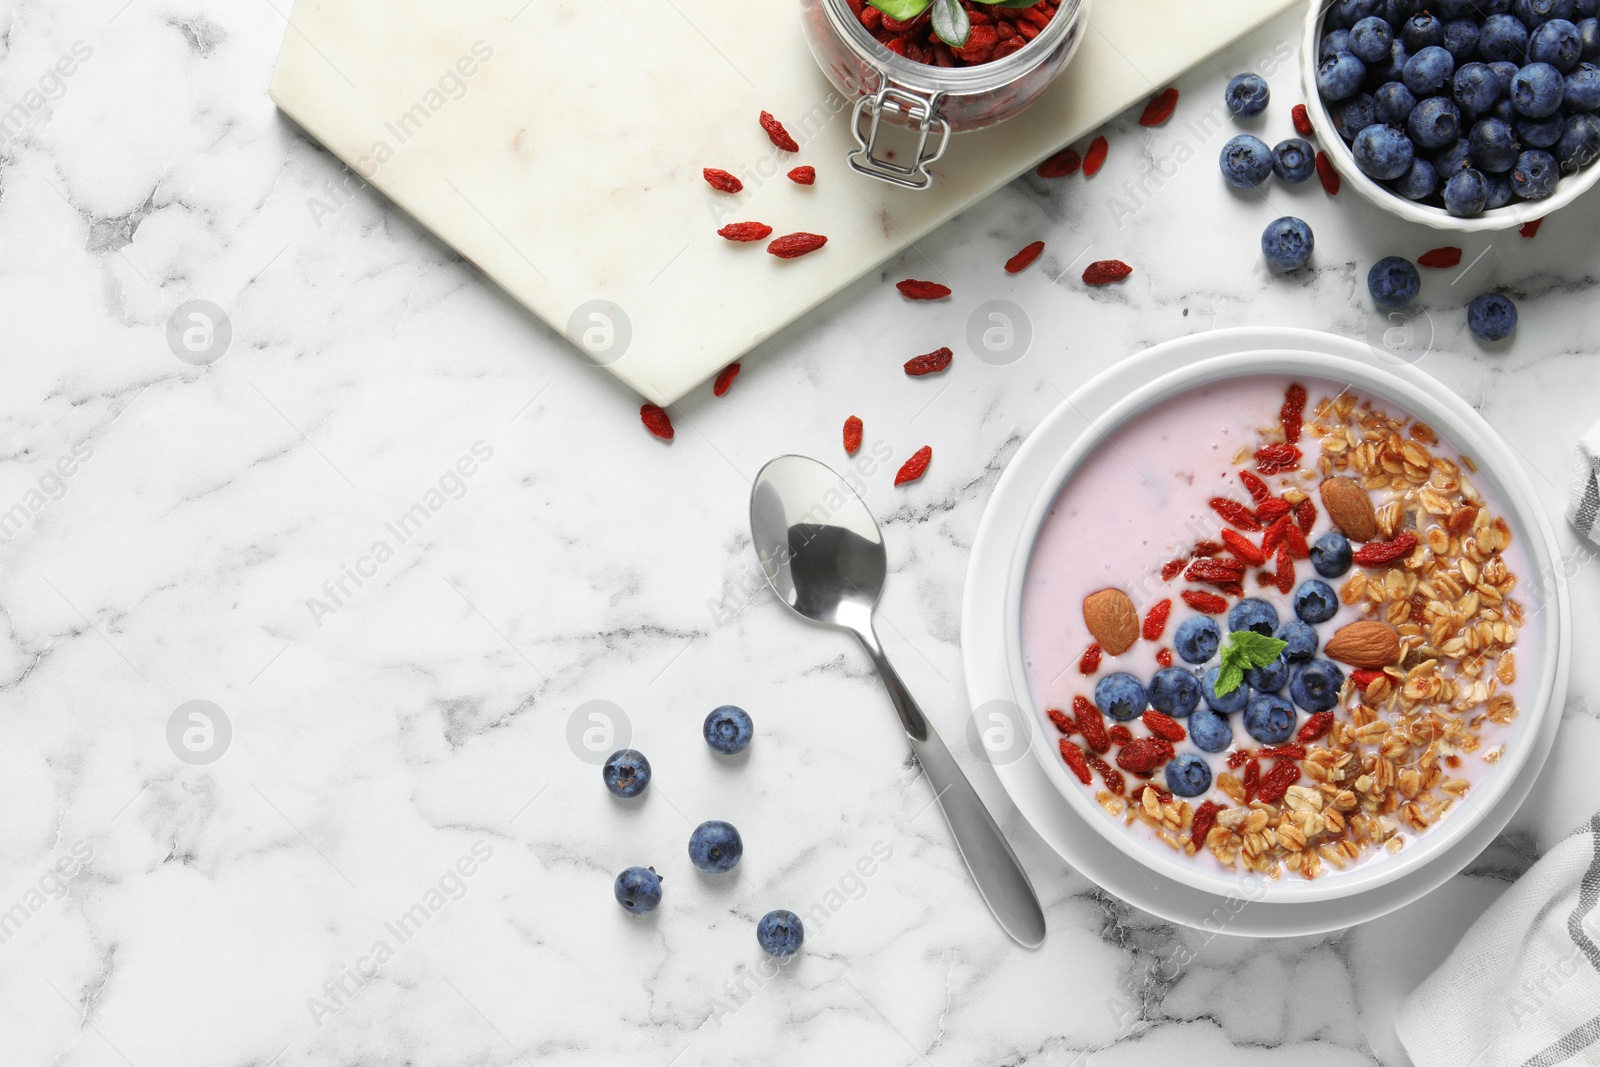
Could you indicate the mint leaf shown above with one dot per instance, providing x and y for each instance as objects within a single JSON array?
[
  {"x": 1258, "y": 650},
  {"x": 904, "y": 10},
  {"x": 950, "y": 22},
  {"x": 1230, "y": 676}
]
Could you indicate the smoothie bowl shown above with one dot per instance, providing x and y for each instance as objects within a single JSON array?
[{"x": 1281, "y": 621}]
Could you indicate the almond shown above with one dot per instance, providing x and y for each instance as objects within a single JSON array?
[
  {"x": 1369, "y": 644},
  {"x": 1112, "y": 620},
  {"x": 1350, "y": 508}
]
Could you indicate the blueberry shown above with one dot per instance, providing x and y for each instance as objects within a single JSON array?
[
  {"x": 1393, "y": 282},
  {"x": 1300, "y": 640},
  {"x": 1534, "y": 176},
  {"x": 1247, "y": 95},
  {"x": 1493, "y": 145},
  {"x": 1589, "y": 34},
  {"x": 1500, "y": 191},
  {"x": 1537, "y": 89},
  {"x": 1453, "y": 159},
  {"x": 1331, "y": 555},
  {"x": 1230, "y": 702},
  {"x": 1393, "y": 68},
  {"x": 1503, "y": 72},
  {"x": 1421, "y": 31},
  {"x": 1461, "y": 38},
  {"x": 1491, "y": 316},
  {"x": 1333, "y": 42},
  {"x": 1392, "y": 103},
  {"x": 1503, "y": 37},
  {"x": 1293, "y": 160},
  {"x": 638, "y": 889},
  {"x": 1429, "y": 70},
  {"x": 1466, "y": 193},
  {"x": 1315, "y": 686},
  {"x": 1253, "y": 613},
  {"x": 1339, "y": 76},
  {"x": 1579, "y": 144},
  {"x": 780, "y": 933},
  {"x": 1382, "y": 152},
  {"x": 1370, "y": 39},
  {"x": 728, "y": 729},
  {"x": 1246, "y": 161},
  {"x": 715, "y": 847},
  {"x": 1174, "y": 691},
  {"x": 1197, "y": 639},
  {"x": 1287, "y": 243},
  {"x": 626, "y": 772},
  {"x": 1458, "y": 9},
  {"x": 1351, "y": 12},
  {"x": 1557, "y": 43},
  {"x": 1188, "y": 775},
  {"x": 1269, "y": 718},
  {"x": 1503, "y": 111},
  {"x": 1121, "y": 696},
  {"x": 1315, "y": 601},
  {"x": 1585, "y": 9},
  {"x": 1395, "y": 12},
  {"x": 1268, "y": 679},
  {"x": 1533, "y": 12},
  {"x": 1352, "y": 116},
  {"x": 1434, "y": 123},
  {"x": 1541, "y": 133},
  {"x": 1583, "y": 88},
  {"x": 1419, "y": 182},
  {"x": 1209, "y": 731},
  {"x": 1475, "y": 88}
]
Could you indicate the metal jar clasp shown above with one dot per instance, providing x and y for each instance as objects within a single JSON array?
[{"x": 919, "y": 111}]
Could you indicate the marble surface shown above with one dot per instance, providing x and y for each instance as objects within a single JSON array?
[{"x": 400, "y": 747}]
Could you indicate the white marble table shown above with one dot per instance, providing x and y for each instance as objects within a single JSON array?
[{"x": 414, "y": 726}]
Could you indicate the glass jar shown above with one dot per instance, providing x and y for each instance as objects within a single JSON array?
[{"x": 933, "y": 101}]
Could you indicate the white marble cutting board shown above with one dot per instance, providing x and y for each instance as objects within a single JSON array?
[{"x": 558, "y": 145}]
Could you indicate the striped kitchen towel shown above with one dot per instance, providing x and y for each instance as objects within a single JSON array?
[
  {"x": 1583, "y": 511},
  {"x": 1522, "y": 989}
]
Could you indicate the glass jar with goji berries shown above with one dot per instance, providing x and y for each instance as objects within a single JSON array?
[{"x": 904, "y": 74}]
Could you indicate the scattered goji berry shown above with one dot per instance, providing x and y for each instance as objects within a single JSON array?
[
  {"x": 1064, "y": 163},
  {"x": 778, "y": 135},
  {"x": 1285, "y": 575},
  {"x": 1095, "y": 158},
  {"x": 1529, "y": 229},
  {"x": 1155, "y": 620},
  {"x": 1144, "y": 755},
  {"x": 1112, "y": 776},
  {"x": 1293, "y": 412},
  {"x": 1206, "y": 548},
  {"x": 1091, "y": 724},
  {"x": 1276, "y": 782},
  {"x": 1023, "y": 259},
  {"x": 1089, "y": 662},
  {"x": 1305, "y": 515},
  {"x": 1241, "y": 547},
  {"x": 656, "y": 421},
  {"x": 1164, "y": 726},
  {"x": 1377, "y": 553},
  {"x": 1440, "y": 258},
  {"x": 1326, "y": 174},
  {"x": 1316, "y": 726},
  {"x": 1214, "y": 571},
  {"x": 1160, "y": 108},
  {"x": 795, "y": 245},
  {"x": 929, "y": 363},
  {"x": 1235, "y": 512},
  {"x": 1258, "y": 488},
  {"x": 916, "y": 466},
  {"x": 852, "y": 435},
  {"x": 721, "y": 180},
  {"x": 1164, "y": 657},
  {"x": 803, "y": 175},
  {"x": 1106, "y": 271},
  {"x": 1361, "y": 678},
  {"x": 1272, "y": 509},
  {"x": 1203, "y": 602},
  {"x": 1205, "y": 816},
  {"x": 1171, "y": 569},
  {"x": 724, "y": 379},
  {"x": 1275, "y": 459},
  {"x": 745, "y": 231},
  {"x": 1119, "y": 734},
  {"x": 912, "y": 289},
  {"x": 1302, "y": 121},
  {"x": 1062, "y": 723},
  {"x": 1073, "y": 755},
  {"x": 1252, "y": 778}
]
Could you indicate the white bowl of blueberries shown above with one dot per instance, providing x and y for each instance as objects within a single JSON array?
[{"x": 1459, "y": 114}]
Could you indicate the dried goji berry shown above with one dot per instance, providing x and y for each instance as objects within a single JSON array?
[
  {"x": 794, "y": 245},
  {"x": 1203, "y": 602},
  {"x": 1119, "y": 734},
  {"x": 1378, "y": 553},
  {"x": 1238, "y": 758},
  {"x": 721, "y": 180},
  {"x": 1144, "y": 755},
  {"x": 1234, "y": 512},
  {"x": 1060, "y": 165},
  {"x": 1024, "y": 258},
  {"x": 1276, "y": 782},
  {"x": 1241, "y": 547},
  {"x": 1164, "y": 657},
  {"x": 1274, "y": 535},
  {"x": 725, "y": 379},
  {"x": 1302, "y": 121},
  {"x": 1293, "y": 412},
  {"x": 1305, "y": 515},
  {"x": 803, "y": 175},
  {"x": 1106, "y": 271},
  {"x": 929, "y": 363},
  {"x": 852, "y": 435},
  {"x": 1095, "y": 158},
  {"x": 1272, "y": 509},
  {"x": 1440, "y": 258},
  {"x": 1295, "y": 542},
  {"x": 1326, "y": 174},
  {"x": 1361, "y": 678},
  {"x": 1529, "y": 229},
  {"x": 912, "y": 289},
  {"x": 745, "y": 231},
  {"x": 1285, "y": 575},
  {"x": 1275, "y": 459},
  {"x": 1207, "y": 548},
  {"x": 1316, "y": 726},
  {"x": 1160, "y": 108},
  {"x": 778, "y": 135},
  {"x": 1155, "y": 620},
  {"x": 1234, "y": 589},
  {"x": 1205, "y": 816},
  {"x": 1113, "y": 777},
  {"x": 1213, "y": 571},
  {"x": 1171, "y": 569},
  {"x": 1164, "y": 726},
  {"x": 656, "y": 421},
  {"x": 1059, "y": 718},
  {"x": 1091, "y": 724},
  {"x": 1073, "y": 755},
  {"x": 1258, "y": 488},
  {"x": 1283, "y": 751},
  {"x": 1089, "y": 662},
  {"x": 915, "y": 467},
  {"x": 1252, "y": 778}
]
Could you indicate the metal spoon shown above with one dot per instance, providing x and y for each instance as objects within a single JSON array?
[{"x": 823, "y": 555}]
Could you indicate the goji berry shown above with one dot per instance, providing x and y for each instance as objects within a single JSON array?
[
  {"x": 1326, "y": 174},
  {"x": 1160, "y": 108},
  {"x": 1023, "y": 259},
  {"x": 1144, "y": 755},
  {"x": 1063, "y": 163},
  {"x": 1171, "y": 569},
  {"x": 1530, "y": 229},
  {"x": 1155, "y": 620},
  {"x": 1285, "y": 575},
  {"x": 1283, "y": 752},
  {"x": 1272, "y": 509},
  {"x": 1203, "y": 602},
  {"x": 1258, "y": 488},
  {"x": 1095, "y": 158},
  {"x": 1106, "y": 271},
  {"x": 1241, "y": 547},
  {"x": 915, "y": 467},
  {"x": 1305, "y": 515},
  {"x": 725, "y": 379},
  {"x": 1073, "y": 755},
  {"x": 1164, "y": 657},
  {"x": 1302, "y": 121},
  {"x": 1113, "y": 777},
  {"x": 803, "y": 175},
  {"x": 795, "y": 245},
  {"x": 1164, "y": 726},
  {"x": 721, "y": 180},
  {"x": 1206, "y": 548},
  {"x": 1214, "y": 571},
  {"x": 852, "y": 435},
  {"x": 1119, "y": 734},
  {"x": 1274, "y": 535},
  {"x": 1316, "y": 726},
  {"x": 929, "y": 363},
  {"x": 1275, "y": 459},
  {"x": 745, "y": 231},
  {"x": 1378, "y": 553},
  {"x": 1205, "y": 816},
  {"x": 1440, "y": 258},
  {"x": 778, "y": 135},
  {"x": 1234, "y": 512},
  {"x": 1276, "y": 782},
  {"x": 1252, "y": 778},
  {"x": 656, "y": 421},
  {"x": 1362, "y": 678},
  {"x": 1293, "y": 412},
  {"x": 1089, "y": 662},
  {"x": 1295, "y": 542},
  {"x": 1091, "y": 724},
  {"x": 1062, "y": 723},
  {"x": 912, "y": 289},
  {"x": 1238, "y": 758}
]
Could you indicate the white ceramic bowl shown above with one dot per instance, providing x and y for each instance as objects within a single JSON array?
[
  {"x": 1540, "y": 661},
  {"x": 1568, "y": 189}
]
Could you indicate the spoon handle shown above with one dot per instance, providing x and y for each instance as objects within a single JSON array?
[{"x": 1001, "y": 880}]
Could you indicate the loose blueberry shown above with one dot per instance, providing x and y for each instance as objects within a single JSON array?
[
  {"x": 1419, "y": 182},
  {"x": 1315, "y": 601},
  {"x": 1421, "y": 31},
  {"x": 1339, "y": 76},
  {"x": 1493, "y": 145},
  {"x": 1534, "y": 176},
  {"x": 1541, "y": 133},
  {"x": 728, "y": 729},
  {"x": 1300, "y": 640},
  {"x": 1537, "y": 89},
  {"x": 715, "y": 847},
  {"x": 1247, "y": 95},
  {"x": 1188, "y": 775},
  {"x": 1121, "y": 696},
  {"x": 1557, "y": 43},
  {"x": 1579, "y": 144},
  {"x": 1286, "y": 243},
  {"x": 1174, "y": 691},
  {"x": 780, "y": 933},
  {"x": 1370, "y": 39},
  {"x": 1293, "y": 161},
  {"x": 1583, "y": 88},
  {"x": 1429, "y": 70},
  {"x": 1315, "y": 686},
  {"x": 1466, "y": 193},
  {"x": 1392, "y": 103},
  {"x": 1393, "y": 282},
  {"x": 1461, "y": 38},
  {"x": 1209, "y": 731},
  {"x": 1269, "y": 718},
  {"x": 1228, "y": 703},
  {"x": 1197, "y": 639},
  {"x": 1503, "y": 38},
  {"x": 1352, "y": 116},
  {"x": 1246, "y": 161},
  {"x": 1268, "y": 679},
  {"x": 638, "y": 889},
  {"x": 1331, "y": 555},
  {"x": 626, "y": 772},
  {"x": 1253, "y": 613},
  {"x": 1434, "y": 123},
  {"x": 1491, "y": 316},
  {"x": 1475, "y": 88}
]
